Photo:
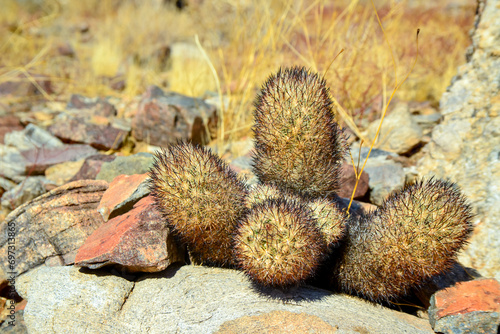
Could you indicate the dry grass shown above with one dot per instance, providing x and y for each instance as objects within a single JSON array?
[{"x": 245, "y": 41}]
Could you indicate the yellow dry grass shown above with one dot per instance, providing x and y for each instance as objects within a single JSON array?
[{"x": 244, "y": 40}]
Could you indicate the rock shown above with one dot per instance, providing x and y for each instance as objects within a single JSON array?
[
  {"x": 188, "y": 299},
  {"x": 348, "y": 181},
  {"x": 92, "y": 166},
  {"x": 465, "y": 146},
  {"x": 277, "y": 322},
  {"x": 61, "y": 173},
  {"x": 139, "y": 163},
  {"x": 457, "y": 273},
  {"x": 136, "y": 241},
  {"x": 18, "y": 164},
  {"x": 164, "y": 118},
  {"x": 467, "y": 307},
  {"x": 243, "y": 167},
  {"x": 76, "y": 130},
  {"x": 399, "y": 132},
  {"x": 91, "y": 106},
  {"x": 12, "y": 162},
  {"x": 38, "y": 160},
  {"x": 123, "y": 192},
  {"x": 31, "y": 137},
  {"x": 384, "y": 173},
  {"x": 53, "y": 225},
  {"x": 19, "y": 326},
  {"x": 65, "y": 49},
  {"x": 25, "y": 191},
  {"x": 6, "y": 185},
  {"x": 384, "y": 180},
  {"x": 427, "y": 121},
  {"x": 96, "y": 298},
  {"x": 8, "y": 123}
]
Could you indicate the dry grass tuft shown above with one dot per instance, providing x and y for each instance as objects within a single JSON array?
[{"x": 245, "y": 41}]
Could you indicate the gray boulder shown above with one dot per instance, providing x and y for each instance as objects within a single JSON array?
[
  {"x": 465, "y": 146},
  {"x": 192, "y": 299}
]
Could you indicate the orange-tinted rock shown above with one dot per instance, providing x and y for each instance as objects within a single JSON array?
[
  {"x": 277, "y": 322},
  {"x": 53, "y": 225},
  {"x": 467, "y": 307},
  {"x": 348, "y": 181},
  {"x": 123, "y": 192},
  {"x": 138, "y": 241}
]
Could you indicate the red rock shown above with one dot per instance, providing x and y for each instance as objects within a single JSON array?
[
  {"x": 277, "y": 322},
  {"x": 38, "y": 160},
  {"x": 467, "y": 307},
  {"x": 138, "y": 241},
  {"x": 8, "y": 123},
  {"x": 54, "y": 224},
  {"x": 92, "y": 166},
  {"x": 477, "y": 295},
  {"x": 122, "y": 194},
  {"x": 102, "y": 137},
  {"x": 348, "y": 180}
]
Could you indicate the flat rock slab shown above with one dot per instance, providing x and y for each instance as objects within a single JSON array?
[
  {"x": 136, "y": 241},
  {"x": 51, "y": 227},
  {"x": 123, "y": 192},
  {"x": 191, "y": 299},
  {"x": 38, "y": 160}
]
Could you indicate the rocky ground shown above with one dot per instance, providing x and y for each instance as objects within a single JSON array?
[{"x": 74, "y": 194}]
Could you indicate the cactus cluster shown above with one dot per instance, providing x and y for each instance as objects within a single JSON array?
[{"x": 290, "y": 227}]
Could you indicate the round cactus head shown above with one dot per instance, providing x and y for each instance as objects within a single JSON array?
[
  {"x": 298, "y": 145},
  {"x": 201, "y": 199},
  {"x": 331, "y": 220},
  {"x": 262, "y": 192},
  {"x": 278, "y": 244},
  {"x": 414, "y": 235}
]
